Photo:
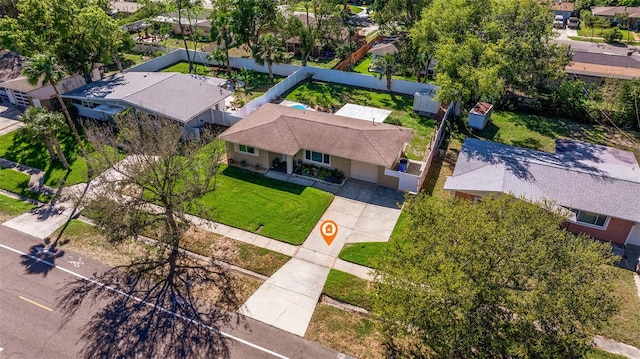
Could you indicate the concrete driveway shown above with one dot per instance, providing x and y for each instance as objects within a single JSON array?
[
  {"x": 364, "y": 212},
  {"x": 9, "y": 118}
]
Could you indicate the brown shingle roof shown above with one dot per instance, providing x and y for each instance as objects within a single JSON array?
[
  {"x": 563, "y": 6},
  {"x": 383, "y": 49},
  {"x": 286, "y": 130},
  {"x": 632, "y": 12}
]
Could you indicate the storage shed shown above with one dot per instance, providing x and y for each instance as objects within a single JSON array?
[
  {"x": 480, "y": 115},
  {"x": 423, "y": 101}
]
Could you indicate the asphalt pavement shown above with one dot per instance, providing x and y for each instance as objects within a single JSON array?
[{"x": 31, "y": 318}]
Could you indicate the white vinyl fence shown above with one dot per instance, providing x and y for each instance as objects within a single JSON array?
[{"x": 320, "y": 74}]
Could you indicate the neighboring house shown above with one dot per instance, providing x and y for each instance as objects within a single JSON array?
[
  {"x": 595, "y": 67},
  {"x": 613, "y": 12},
  {"x": 16, "y": 89},
  {"x": 383, "y": 49},
  {"x": 361, "y": 149},
  {"x": 188, "y": 99},
  {"x": 600, "y": 185},
  {"x": 563, "y": 8},
  {"x": 191, "y": 24},
  {"x": 124, "y": 7}
]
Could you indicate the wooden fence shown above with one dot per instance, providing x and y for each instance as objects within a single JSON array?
[{"x": 356, "y": 55}]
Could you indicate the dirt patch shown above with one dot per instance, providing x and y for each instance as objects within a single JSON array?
[
  {"x": 347, "y": 332},
  {"x": 244, "y": 255},
  {"x": 88, "y": 241}
]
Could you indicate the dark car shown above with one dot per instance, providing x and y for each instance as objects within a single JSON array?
[{"x": 573, "y": 22}]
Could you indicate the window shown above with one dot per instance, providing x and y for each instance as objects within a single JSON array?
[
  {"x": 318, "y": 157},
  {"x": 592, "y": 219},
  {"x": 89, "y": 104},
  {"x": 246, "y": 149}
]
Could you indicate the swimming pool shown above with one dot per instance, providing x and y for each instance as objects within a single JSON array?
[{"x": 300, "y": 106}]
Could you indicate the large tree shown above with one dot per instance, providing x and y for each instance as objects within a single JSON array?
[
  {"x": 485, "y": 48},
  {"x": 42, "y": 126},
  {"x": 495, "y": 279},
  {"x": 79, "y": 33},
  {"x": 251, "y": 18},
  {"x": 221, "y": 21},
  {"x": 44, "y": 69},
  {"x": 150, "y": 193}
]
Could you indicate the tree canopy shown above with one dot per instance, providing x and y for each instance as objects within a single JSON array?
[
  {"x": 499, "y": 278},
  {"x": 78, "y": 32},
  {"x": 485, "y": 48}
]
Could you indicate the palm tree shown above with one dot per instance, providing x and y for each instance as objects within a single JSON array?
[
  {"x": 42, "y": 126},
  {"x": 46, "y": 67},
  {"x": 387, "y": 65},
  {"x": 218, "y": 55},
  {"x": 268, "y": 50}
]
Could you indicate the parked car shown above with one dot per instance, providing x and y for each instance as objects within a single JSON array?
[
  {"x": 573, "y": 22},
  {"x": 558, "y": 22}
]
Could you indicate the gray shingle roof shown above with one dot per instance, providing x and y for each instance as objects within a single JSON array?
[
  {"x": 579, "y": 175},
  {"x": 176, "y": 96},
  {"x": 286, "y": 130}
]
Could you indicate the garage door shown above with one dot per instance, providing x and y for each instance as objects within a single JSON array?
[{"x": 364, "y": 171}]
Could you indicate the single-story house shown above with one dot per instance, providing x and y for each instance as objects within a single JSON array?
[
  {"x": 191, "y": 24},
  {"x": 360, "y": 149},
  {"x": 595, "y": 67},
  {"x": 382, "y": 49},
  {"x": 16, "y": 89},
  {"x": 566, "y": 9},
  {"x": 188, "y": 99},
  {"x": 600, "y": 185},
  {"x": 612, "y": 13}
]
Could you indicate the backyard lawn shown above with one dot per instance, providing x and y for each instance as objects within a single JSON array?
[
  {"x": 329, "y": 94},
  {"x": 363, "y": 65},
  {"x": 272, "y": 208},
  {"x": 183, "y": 68},
  {"x": 259, "y": 82},
  {"x": 15, "y": 148},
  {"x": 10, "y": 208},
  {"x": 325, "y": 64}
]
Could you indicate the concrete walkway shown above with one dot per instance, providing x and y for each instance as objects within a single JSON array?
[
  {"x": 287, "y": 300},
  {"x": 36, "y": 181}
]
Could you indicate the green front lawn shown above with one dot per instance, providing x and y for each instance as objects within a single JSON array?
[
  {"x": 272, "y": 208},
  {"x": 18, "y": 183},
  {"x": 625, "y": 325},
  {"x": 15, "y": 148},
  {"x": 330, "y": 94},
  {"x": 348, "y": 288},
  {"x": 10, "y": 207},
  {"x": 355, "y": 9},
  {"x": 371, "y": 254},
  {"x": 599, "y": 32}
]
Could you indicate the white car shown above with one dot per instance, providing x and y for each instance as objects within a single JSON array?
[{"x": 558, "y": 22}]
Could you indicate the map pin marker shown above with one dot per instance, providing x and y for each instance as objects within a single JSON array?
[{"x": 329, "y": 230}]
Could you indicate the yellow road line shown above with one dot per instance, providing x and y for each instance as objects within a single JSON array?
[{"x": 36, "y": 304}]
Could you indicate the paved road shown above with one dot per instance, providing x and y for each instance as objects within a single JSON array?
[{"x": 30, "y": 321}]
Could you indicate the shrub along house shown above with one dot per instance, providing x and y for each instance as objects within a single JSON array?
[
  {"x": 600, "y": 185},
  {"x": 360, "y": 149}
]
